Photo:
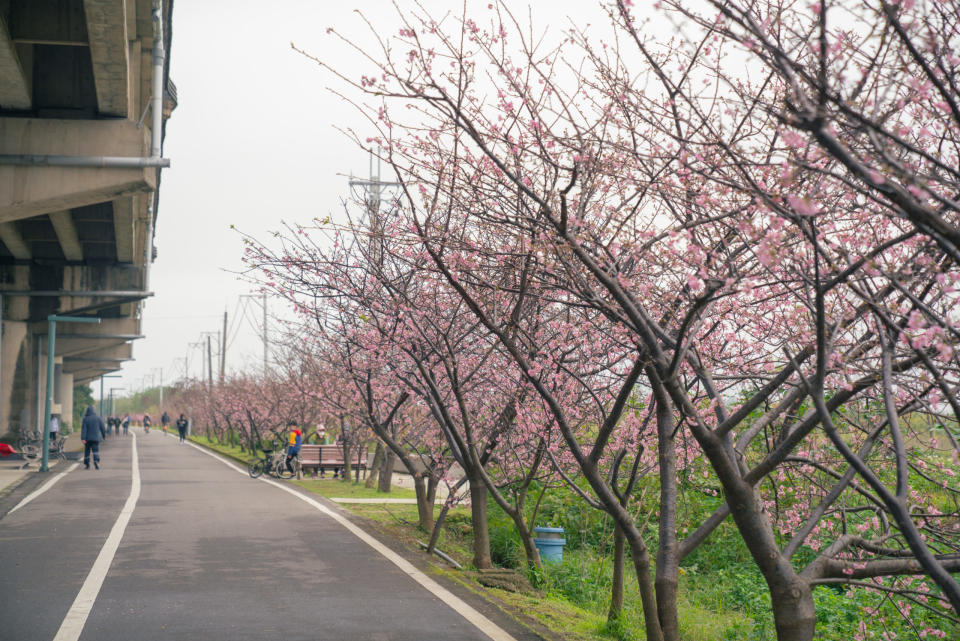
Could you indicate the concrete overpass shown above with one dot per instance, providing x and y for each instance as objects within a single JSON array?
[{"x": 84, "y": 95}]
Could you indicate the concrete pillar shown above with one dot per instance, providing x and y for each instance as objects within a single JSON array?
[
  {"x": 14, "y": 383},
  {"x": 66, "y": 398},
  {"x": 57, "y": 372}
]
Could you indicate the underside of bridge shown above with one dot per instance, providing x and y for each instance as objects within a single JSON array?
[{"x": 78, "y": 189}]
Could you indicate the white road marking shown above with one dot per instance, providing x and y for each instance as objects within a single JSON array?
[
  {"x": 76, "y": 617},
  {"x": 481, "y": 622},
  {"x": 375, "y": 501},
  {"x": 43, "y": 488}
]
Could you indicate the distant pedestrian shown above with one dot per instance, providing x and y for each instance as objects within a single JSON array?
[
  {"x": 54, "y": 427},
  {"x": 91, "y": 433},
  {"x": 182, "y": 427},
  {"x": 109, "y": 425},
  {"x": 164, "y": 421},
  {"x": 146, "y": 423},
  {"x": 126, "y": 424}
]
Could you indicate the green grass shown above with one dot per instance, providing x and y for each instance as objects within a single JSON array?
[
  {"x": 722, "y": 595},
  {"x": 335, "y": 488},
  {"x": 230, "y": 451}
]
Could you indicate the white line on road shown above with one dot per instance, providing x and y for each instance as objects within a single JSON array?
[
  {"x": 43, "y": 488},
  {"x": 76, "y": 617},
  {"x": 484, "y": 624},
  {"x": 375, "y": 501}
]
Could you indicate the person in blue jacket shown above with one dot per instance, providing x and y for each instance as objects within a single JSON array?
[
  {"x": 293, "y": 444},
  {"x": 91, "y": 433}
]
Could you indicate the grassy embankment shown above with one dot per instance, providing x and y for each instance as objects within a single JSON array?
[{"x": 723, "y": 597}]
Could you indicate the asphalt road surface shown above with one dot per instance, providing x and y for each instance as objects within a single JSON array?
[{"x": 169, "y": 542}]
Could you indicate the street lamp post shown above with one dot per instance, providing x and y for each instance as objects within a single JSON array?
[
  {"x": 112, "y": 390},
  {"x": 103, "y": 376},
  {"x": 51, "y": 342},
  {"x": 161, "y": 387}
]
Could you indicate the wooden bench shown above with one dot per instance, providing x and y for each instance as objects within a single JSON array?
[{"x": 328, "y": 457}]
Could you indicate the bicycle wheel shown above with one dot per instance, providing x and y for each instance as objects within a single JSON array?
[
  {"x": 282, "y": 471},
  {"x": 255, "y": 468},
  {"x": 30, "y": 450}
]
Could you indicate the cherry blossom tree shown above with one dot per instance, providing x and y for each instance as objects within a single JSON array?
[{"x": 767, "y": 294}]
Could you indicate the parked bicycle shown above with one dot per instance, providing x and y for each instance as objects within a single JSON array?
[
  {"x": 29, "y": 444},
  {"x": 274, "y": 461},
  {"x": 57, "y": 448}
]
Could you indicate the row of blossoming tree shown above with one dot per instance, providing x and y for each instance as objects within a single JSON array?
[{"x": 726, "y": 261}]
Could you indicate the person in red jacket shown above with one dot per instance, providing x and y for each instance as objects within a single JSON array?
[{"x": 293, "y": 444}]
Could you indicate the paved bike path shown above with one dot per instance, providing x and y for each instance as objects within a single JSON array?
[
  {"x": 48, "y": 546},
  {"x": 207, "y": 551}
]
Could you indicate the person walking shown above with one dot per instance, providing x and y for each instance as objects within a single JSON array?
[
  {"x": 164, "y": 421},
  {"x": 91, "y": 433},
  {"x": 182, "y": 427},
  {"x": 126, "y": 424}
]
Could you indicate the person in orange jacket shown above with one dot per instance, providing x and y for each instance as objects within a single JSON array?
[{"x": 294, "y": 442}]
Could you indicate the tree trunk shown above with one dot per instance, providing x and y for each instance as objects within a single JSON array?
[
  {"x": 386, "y": 471},
  {"x": 481, "y": 526},
  {"x": 791, "y": 596},
  {"x": 374, "y": 472},
  {"x": 668, "y": 562},
  {"x": 438, "y": 526},
  {"x": 616, "y": 588},
  {"x": 424, "y": 504},
  {"x": 641, "y": 566},
  {"x": 794, "y": 614},
  {"x": 345, "y": 473},
  {"x": 526, "y": 536}
]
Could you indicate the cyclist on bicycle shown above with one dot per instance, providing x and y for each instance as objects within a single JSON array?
[{"x": 295, "y": 440}]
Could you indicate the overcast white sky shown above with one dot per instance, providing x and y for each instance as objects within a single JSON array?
[{"x": 252, "y": 142}]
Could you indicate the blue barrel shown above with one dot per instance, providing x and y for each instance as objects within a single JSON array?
[{"x": 550, "y": 542}]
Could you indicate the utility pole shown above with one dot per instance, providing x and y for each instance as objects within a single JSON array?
[
  {"x": 103, "y": 376},
  {"x": 265, "y": 340},
  {"x": 209, "y": 365},
  {"x": 197, "y": 345},
  {"x": 223, "y": 348},
  {"x": 112, "y": 407},
  {"x": 161, "y": 389},
  {"x": 373, "y": 189}
]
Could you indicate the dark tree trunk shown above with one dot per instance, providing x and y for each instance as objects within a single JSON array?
[
  {"x": 386, "y": 471},
  {"x": 526, "y": 536},
  {"x": 347, "y": 475},
  {"x": 424, "y": 503},
  {"x": 616, "y": 587},
  {"x": 791, "y": 596},
  {"x": 374, "y": 472},
  {"x": 481, "y": 526},
  {"x": 438, "y": 526},
  {"x": 668, "y": 560}
]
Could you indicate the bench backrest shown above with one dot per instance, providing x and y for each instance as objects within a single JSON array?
[{"x": 325, "y": 455}]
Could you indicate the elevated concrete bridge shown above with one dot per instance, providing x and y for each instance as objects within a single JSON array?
[{"x": 80, "y": 156}]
